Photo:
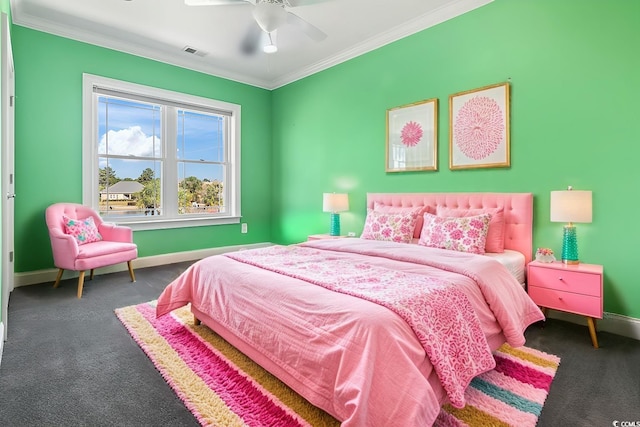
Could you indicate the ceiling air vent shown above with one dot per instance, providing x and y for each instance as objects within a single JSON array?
[{"x": 194, "y": 51}]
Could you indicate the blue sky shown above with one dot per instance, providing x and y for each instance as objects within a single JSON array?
[{"x": 134, "y": 129}]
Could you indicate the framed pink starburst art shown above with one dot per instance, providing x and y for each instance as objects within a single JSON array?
[
  {"x": 412, "y": 137},
  {"x": 479, "y": 128}
]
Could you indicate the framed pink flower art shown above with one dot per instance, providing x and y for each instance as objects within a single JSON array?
[
  {"x": 412, "y": 137},
  {"x": 479, "y": 128}
]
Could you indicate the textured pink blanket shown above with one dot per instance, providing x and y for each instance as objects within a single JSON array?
[
  {"x": 510, "y": 304},
  {"x": 439, "y": 313}
]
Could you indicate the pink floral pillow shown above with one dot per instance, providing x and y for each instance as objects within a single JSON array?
[
  {"x": 466, "y": 234},
  {"x": 84, "y": 230},
  {"x": 395, "y": 227},
  {"x": 495, "y": 235},
  {"x": 379, "y": 207}
]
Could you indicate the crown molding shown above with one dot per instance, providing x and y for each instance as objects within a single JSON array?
[
  {"x": 126, "y": 42},
  {"x": 133, "y": 44},
  {"x": 414, "y": 26}
]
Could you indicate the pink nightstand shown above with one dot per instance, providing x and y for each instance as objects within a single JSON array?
[
  {"x": 323, "y": 236},
  {"x": 571, "y": 288}
]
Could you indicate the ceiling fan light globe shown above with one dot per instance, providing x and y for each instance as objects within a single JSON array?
[
  {"x": 269, "y": 16},
  {"x": 270, "y": 48}
]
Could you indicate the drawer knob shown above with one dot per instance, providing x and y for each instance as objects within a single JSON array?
[
  {"x": 560, "y": 298},
  {"x": 561, "y": 279}
]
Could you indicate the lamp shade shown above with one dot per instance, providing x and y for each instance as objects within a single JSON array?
[
  {"x": 571, "y": 206},
  {"x": 335, "y": 202}
]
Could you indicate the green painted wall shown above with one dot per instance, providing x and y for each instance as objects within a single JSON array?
[
  {"x": 49, "y": 142},
  {"x": 575, "y": 82}
]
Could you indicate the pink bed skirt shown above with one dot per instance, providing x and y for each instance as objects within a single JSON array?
[{"x": 322, "y": 402}]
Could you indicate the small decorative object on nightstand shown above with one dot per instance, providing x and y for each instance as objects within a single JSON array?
[
  {"x": 545, "y": 255},
  {"x": 571, "y": 288}
]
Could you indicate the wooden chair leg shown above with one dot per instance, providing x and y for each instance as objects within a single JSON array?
[
  {"x": 80, "y": 283},
  {"x": 57, "y": 282},
  {"x": 91, "y": 275},
  {"x": 133, "y": 276}
]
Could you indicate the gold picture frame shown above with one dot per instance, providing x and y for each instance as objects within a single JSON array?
[
  {"x": 412, "y": 137},
  {"x": 479, "y": 128}
]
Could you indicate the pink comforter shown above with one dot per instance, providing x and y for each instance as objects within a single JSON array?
[
  {"x": 357, "y": 360},
  {"x": 439, "y": 313}
]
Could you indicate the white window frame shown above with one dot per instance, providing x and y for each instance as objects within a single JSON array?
[{"x": 170, "y": 219}]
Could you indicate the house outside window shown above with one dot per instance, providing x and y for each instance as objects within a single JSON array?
[{"x": 159, "y": 159}]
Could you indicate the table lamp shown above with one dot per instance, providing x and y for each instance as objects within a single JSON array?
[
  {"x": 570, "y": 206},
  {"x": 335, "y": 203}
]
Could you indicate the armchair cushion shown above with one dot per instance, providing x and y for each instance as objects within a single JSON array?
[
  {"x": 104, "y": 248},
  {"x": 84, "y": 230}
]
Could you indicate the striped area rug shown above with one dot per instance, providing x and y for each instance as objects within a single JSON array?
[
  {"x": 224, "y": 388},
  {"x": 512, "y": 394}
]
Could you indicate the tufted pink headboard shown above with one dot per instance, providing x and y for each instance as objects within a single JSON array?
[{"x": 518, "y": 211}]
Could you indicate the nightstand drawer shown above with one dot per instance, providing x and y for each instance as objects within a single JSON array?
[
  {"x": 567, "y": 301},
  {"x": 565, "y": 280}
]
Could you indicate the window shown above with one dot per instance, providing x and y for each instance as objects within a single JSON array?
[{"x": 159, "y": 159}]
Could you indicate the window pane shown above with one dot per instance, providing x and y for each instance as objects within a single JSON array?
[
  {"x": 129, "y": 187},
  {"x": 159, "y": 159},
  {"x": 200, "y": 188},
  {"x": 127, "y": 128},
  {"x": 200, "y": 136}
]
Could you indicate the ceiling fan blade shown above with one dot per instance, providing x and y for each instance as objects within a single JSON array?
[
  {"x": 250, "y": 43},
  {"x": 216, "y": 2},
  {"x": 296, "y": 3},
  {"x": 309, "y": 29},
  {"x": 269, "y": 16}
]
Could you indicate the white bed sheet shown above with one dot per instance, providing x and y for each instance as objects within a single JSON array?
[{"x": 514, "y": 261}]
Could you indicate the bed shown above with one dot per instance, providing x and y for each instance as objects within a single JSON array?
[{"x": 322, "y": 316}]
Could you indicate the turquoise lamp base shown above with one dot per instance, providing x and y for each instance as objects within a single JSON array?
[
  {"x": 570, "y": 245},
  {"x": 335, "y": 225}
]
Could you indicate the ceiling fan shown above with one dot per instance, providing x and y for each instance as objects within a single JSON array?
[{"x": 269, "y": 15}]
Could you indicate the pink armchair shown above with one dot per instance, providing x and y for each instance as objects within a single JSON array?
[{"x": 116, "y": 245}]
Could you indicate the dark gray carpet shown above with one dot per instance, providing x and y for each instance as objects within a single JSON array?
[{"x": 70, "y": 362}]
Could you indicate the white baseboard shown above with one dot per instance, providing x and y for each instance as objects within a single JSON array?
[
  {"x": 49, "y": 275},
  {"x": 1, "y": 340},
  {"x": 614, "y": 323}
]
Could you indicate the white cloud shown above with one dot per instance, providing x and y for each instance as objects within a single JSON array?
[{"x": 129, "y": 142}]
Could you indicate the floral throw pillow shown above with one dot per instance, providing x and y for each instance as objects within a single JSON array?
[
  {"x": 495, "y": 234},
  {"x": 466, "y": 234},
  {"x": 394, "y": 227},
  {"x": 84, "y": 230},
  {"x": 379, "y": 207}
]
